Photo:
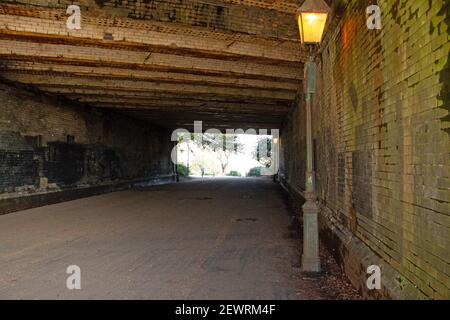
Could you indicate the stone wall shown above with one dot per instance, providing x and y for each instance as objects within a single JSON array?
[
  {"x": 381, "y": 131},
  {"x": 48, "y": 144}
]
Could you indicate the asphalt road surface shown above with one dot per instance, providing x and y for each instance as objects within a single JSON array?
[{"x": 210, "y": 239}]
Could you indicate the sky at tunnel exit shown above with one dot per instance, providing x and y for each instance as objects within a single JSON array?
[{"x": 241, "y": 162}]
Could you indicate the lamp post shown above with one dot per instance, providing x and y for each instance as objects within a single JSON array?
[
  {"x": 275, "y": 156},
  {"x": 312, "y": 17}
]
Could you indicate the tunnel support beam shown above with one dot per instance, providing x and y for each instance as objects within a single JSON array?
[{"x": 310, "y": 258}]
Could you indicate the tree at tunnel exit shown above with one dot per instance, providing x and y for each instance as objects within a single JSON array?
[
  {"x": 222, "y": 145},
  {"x": 263, "y": 152}
]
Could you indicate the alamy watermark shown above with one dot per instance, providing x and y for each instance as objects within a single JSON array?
[
  {"x": 373, "y": 17},
  {"x": 74, "y": 20},
  {"x": 73, "y": 282},
  {"x": 373, "y": 21},
  {"x": 374, "y": 280},
  {"x": 185, "y": 136}
]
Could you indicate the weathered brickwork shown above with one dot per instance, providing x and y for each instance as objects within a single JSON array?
[
  {"x": 70, "y": 146},
  {"x": 220, "y": 15},
  {"x": 292, "y": 145},
  {"x": 180, "y": 53},
  {"x": 139, "y": 34},
  {"x": 381, "y": 130}
]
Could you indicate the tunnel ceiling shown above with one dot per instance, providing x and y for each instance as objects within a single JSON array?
[{"x": 230, "y": 63}]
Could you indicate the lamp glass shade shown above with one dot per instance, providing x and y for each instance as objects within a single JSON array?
[{"x": 312, "y": 26}]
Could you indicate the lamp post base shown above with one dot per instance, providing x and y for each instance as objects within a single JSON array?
[
  {"x": 310, "y": 257},
  {"x": 310, "y": 264}
]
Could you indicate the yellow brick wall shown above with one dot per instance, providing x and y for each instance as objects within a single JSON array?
[
  {"x": 214, "y": 15},
  {"x": 381, "y": 129}
]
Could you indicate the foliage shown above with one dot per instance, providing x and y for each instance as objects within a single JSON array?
[
  {"x": 234, "y": 173},
  {"x": 223, "y": 146},
  {"x": 182, "y": 170},
  {"x": 263, "y": 152},
  {"x": 254, "y": 172}
]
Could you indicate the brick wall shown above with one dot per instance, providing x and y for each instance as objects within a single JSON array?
[
  {"x": 72, "y": 146},
  {"x": 381, "y": 130},
  {"x": 239, "y": 17}
]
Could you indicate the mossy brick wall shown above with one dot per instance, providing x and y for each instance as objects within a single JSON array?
[
  {"x": 381, "y": 130},
  {"x": 74, "y": 145}
]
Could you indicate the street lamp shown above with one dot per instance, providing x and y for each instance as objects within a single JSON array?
[{"x": 312, "y": 18}]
